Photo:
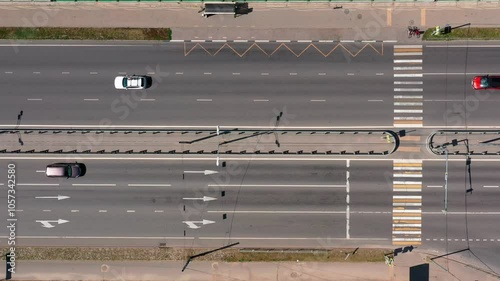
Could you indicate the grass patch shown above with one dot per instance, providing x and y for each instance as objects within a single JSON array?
[
  {"x": 474, "y": 33},
  {"x": 59, "y": 33},
  {"x": 173, "y": 254}
]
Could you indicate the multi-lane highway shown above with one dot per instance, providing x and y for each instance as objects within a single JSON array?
[
  {"x": 258, "y": 201},
  {"x": 201, "y": 84}
]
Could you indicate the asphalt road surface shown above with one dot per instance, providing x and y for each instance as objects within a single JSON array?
[
  {"x": 258, "y": 203},
  {"x": 205, "y": 85}
]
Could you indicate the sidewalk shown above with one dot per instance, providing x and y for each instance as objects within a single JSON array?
[
  {"x": 268, "y": 21},
  {"x": 210, "y": 271}
]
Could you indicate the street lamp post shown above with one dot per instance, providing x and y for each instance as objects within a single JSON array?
[{"x": 446, "y": 183}]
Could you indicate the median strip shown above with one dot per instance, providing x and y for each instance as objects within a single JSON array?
[
  {"x": 173, "y": 254},
  {"x": 58, "y": 33},
  {"x": 472, "y": 33}
]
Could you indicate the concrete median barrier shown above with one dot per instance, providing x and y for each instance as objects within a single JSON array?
[{"x": 192, "y": 141}]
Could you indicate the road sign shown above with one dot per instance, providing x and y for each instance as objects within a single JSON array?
[{"x": 48, "y": 223}]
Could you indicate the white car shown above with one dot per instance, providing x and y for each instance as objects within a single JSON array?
[{"x": 131, "y": 82}]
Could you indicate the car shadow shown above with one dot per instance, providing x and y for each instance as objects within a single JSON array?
[{"x": 83, "y": 169}]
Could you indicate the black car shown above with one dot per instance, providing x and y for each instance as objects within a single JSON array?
[{"x": 66, "y": 170}]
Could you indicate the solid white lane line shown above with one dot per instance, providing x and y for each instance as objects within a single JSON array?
[
  {"x": 408, "y": 97},
  {"x": 408, "y": 54},
  {"x": 408, "y": 90},
  {"x": 407, "y": 46},
  {"x": 203, "y": 99},
  {"x": 285, "y": 238},
  {"x": 408, "y": 111},
  {"x": 39, "y": 184},
  {"x": 375, "y": 100},
  {"x": 130, "y": 211},
  {"x": 260, "y": 100},
  {"x": 278, "y": 185},
  {"x": 318, "y": 100},
  {"x": 93, "y": 184},
  {"x": 65, "y": 72},
  {"x": 148, "y": 99},
  {"x": 407, "y": 61},
  {"x": 407, "y": 68},
  {"x": 491, "y": 186},
  {"x": 348, "y": 207},
  {"x": 408, "y": 82},
  {"x": 179, "y": 73},
  {"x": 90, "y": 99},
  {"x": 103, "y": 211},
  {"x": 93, "y": 73},
  {"x": 408, "y": 103},
  {"x": 34, "y": 99},
  {"x": 207, "y": 73},
  {"x": 408, "y": 75},
  {"x": 280, "y": 212},
  {"x": 149, "y": 184}
]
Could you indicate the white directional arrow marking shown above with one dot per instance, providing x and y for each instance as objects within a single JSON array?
[
  {"x": 47, "y": 223},
  {"x": 58, "y": 197},
  {"x": 192, "y": 224},
  {"x": 204, "y": 198},
  {"x": 206, "y": 172}
]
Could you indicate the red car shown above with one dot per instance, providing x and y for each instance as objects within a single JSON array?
[{"x": 486, "y": 82}]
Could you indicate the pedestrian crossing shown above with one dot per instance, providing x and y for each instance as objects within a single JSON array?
[
  {"x": 407, "y": 202},
  {"x": 408, "y": 86}
]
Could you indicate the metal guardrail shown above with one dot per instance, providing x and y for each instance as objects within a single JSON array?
[
  {"x": 227, "y": 141},
  {"x": 465, "y": 142},
  {"x": 263, "y": 1}
]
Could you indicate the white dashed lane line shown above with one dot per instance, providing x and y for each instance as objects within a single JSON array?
[
  {"x": 236, "y": 73},
  {"x": 93, "y": 73},
  {"x": 34, "y": 99},
  {"x": 293, "y": 74},
  {"x": 130, "y": 211},
  {"x": 318, "y": 100},
  {"x": 65, "y": 72},
  {"x": 264, "y": 73},
  {"x": 47, "y": 210},
  {"x": 151, "y": 73},
  {"x": 350, "y": 74},
  {"x": 179, "y": 73},
  {"x": 122, "y": 73},
  {"x": 148, "y": 99},
  {"x": 91, "y": 99},
  {"x": 322, "y": 74},
  {"x": 260, "y": 100},
  {"x": 36, "y": 72},
  {"x": 103, "y": 211},
  {"x": 158, "y": 211},
  {"x": 204, "y": 100},
  {"x": 379, "y": 74},
  {"x": 75, "y": 211},
  {"x": 8, "y": 72},
  {"x": 375, "y": 100},
  {"x": 207, "y": 73},
  {"x": 490, "y": 186},
  {"x": 408, "y": 82}
]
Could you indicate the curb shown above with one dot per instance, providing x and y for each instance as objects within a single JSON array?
[{"x": 281, "y": 41}]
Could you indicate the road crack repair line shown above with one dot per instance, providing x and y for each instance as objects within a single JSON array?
[
  {"x": 407, "y": 202},
  {"x": 408, "y": 84}
]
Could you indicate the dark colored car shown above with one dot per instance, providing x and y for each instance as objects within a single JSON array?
[
  {"x": 66, "y": 170},
  {"x": 486, "y": 82}
]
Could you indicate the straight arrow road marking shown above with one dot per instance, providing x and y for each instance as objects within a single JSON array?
[
  {"x": 192, "y": 224},
  {"x": 48, "y": 223},
  {"x": 206, "y": 172},
  {"x": 204, "y": 198},
  {"x": 58, "y": 197}
]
